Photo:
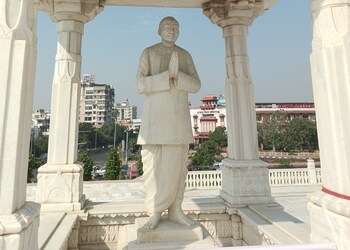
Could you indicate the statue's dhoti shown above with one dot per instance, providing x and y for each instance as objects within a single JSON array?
[{"x": 164, "y": 173}]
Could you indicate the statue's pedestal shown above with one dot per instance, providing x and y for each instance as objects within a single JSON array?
[
  {"x": 167, "y": 235},
  {"x": 167, "y": 231}
]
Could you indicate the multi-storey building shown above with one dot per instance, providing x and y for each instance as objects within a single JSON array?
[
  {"x": 125, "y": 113},
  {"x": 290, "y": 110},
  {"x": 96, "y": 102},
  {"x": 136, "y": 124},
  {"x": 212, "y": 114},
  {"x": 207, "y": 117},
  {"x": 40, "y": 123}
]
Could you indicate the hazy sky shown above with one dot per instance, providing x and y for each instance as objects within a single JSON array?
[{"x": 279, "y": 45}]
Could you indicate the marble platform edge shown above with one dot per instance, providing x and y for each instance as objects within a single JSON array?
[
  {"x": 55, "y": 229},
  {"x": 290, "y": 225},
  {"x": 263, "y": 227}
]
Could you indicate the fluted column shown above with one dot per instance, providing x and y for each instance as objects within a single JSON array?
[
  {"x": 60, "y": 181},
  {"x": 245, "y": 177},
  {"x": 18, "y": 219},
  {"x": 330, "y": 60}
]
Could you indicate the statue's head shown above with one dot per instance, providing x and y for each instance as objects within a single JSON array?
[{"x": 169, "y": 30}]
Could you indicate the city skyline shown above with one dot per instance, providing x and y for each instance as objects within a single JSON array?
[{"x": 279, "y": 45}]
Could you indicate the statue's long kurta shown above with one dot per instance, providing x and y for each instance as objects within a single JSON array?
[
  {"x": 166, "y": 124},
  {"x": 166, "y": 116}
]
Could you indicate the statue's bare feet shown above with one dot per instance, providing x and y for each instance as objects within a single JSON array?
[
  {"x": 179, "y": 217},
  {"x": 153, "y": 221}
]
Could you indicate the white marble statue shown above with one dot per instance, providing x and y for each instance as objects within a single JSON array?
[{"x": 166, "y": 75}]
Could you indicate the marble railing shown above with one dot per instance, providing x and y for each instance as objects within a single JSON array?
[
  {"x": 301, "y": 155},
  {"x": 283, "y": 177},
  {"x": 277, "y": 177},
  {"x": 203, "y": 179},
  {"x": 318, "y": 176}
]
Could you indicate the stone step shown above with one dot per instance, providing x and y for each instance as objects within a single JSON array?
[
  {"x": 290, "y": 225},
  {"x": 255, "y": 226},
  {"x": 48, "y": 224},
  {"x": 56, "y": 230}
]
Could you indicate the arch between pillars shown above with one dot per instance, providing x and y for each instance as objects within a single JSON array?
[
  {"x": 43, "y": 197},
  {"x": 157, "y": 3}
]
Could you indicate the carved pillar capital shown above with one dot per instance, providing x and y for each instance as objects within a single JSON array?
[
  {"x": 79, "y": 10},
  {"x": 233, "y": 12},
  {"x": 17, "y": 21},
  {"x": 329, "y": 22}
]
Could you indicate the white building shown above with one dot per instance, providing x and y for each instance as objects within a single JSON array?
[
  {"x": 291, "y": 110},
  {"x": 96, "y": 102},
  {"x": 207, "y": 117},
  {"x": 125, "y": 112},
  {"x": 40, "y": 122},
  {"x": 136, "y": 124},
  {"x": 212, "y": 114}
]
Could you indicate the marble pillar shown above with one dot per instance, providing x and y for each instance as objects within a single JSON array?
[
  {"x": 60, "y": 181},
  {"x": 18, "y": 219},
  {"x": 330, "y": 60},
  {"x": 244, "y": 176}
]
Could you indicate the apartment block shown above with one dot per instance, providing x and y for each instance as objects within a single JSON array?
[
  {"x": 125, "y": 113},
  {"x": 96, "y": 102}
]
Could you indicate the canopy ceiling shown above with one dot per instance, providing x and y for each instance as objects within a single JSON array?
[{"x": 171, "y": 3}]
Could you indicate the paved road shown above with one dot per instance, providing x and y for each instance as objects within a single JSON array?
[{"x": 99, "y": 156}]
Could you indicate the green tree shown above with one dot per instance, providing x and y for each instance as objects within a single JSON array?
[
  {"x": 209, "y": 151},
  {"x": 87, "y": 165},
  {"x": 41, "y": 145},
  {"x": 112, "y": 165},
  {"x": 301, "y": 135},
  {"x": 33, "y": 164},
  {"x": 105, "y": 134},
  {"x": 139, "y": 166},
  {"x": 219, "y": 136},
  {"x": 100, "y": 137},
  {"x": 206, "y": 155},
  {"x": 133, "y": 146},
  {"x": 86, "y": 135},
  {"x": 270, "y": 132}
]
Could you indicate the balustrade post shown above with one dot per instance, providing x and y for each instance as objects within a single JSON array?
[{"x": 311, "y": 171}]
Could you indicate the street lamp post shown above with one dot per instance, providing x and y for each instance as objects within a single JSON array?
[
  {"x": 126, "y": 146},
  {"x": 115, "y": 131},
  {"x": 95, "y": 138}
]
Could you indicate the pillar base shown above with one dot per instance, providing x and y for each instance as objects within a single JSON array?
[
  {"x": 20, "y": 230},
  {"x": 245, "y": 182},
  {"x": 329, "y": 219},
  {"x": 60, "y": 188}
]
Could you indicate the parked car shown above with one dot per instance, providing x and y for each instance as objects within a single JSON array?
[
  {"x": 100, "y": 172},
  {"x": 216, "y": 166},
  {"x": 124, "y": 169},
  {"x": 134, "y": 173}
]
